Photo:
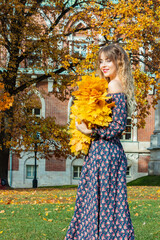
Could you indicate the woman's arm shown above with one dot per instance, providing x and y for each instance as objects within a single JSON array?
[
  {"x": 118, "y": 124},
  {"x": 82, "y": 127}
]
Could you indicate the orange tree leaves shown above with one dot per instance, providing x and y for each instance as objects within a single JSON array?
[
  {"x": 36, "y": 40},
  {"x": 6, "y": 100},
  {"x": 144, "y": 84},
  {"x": 30, "y": 131},
  {"x": 135, "y": 25},
  {"x": 34, "y": 45}
]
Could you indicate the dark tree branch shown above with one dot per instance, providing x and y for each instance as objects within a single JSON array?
[
  {"x": 33, "y": 9},
  {"x": 77, "y": 30},
  {"x": 30, "y": 50},
  {"x": 39, "y": 79},
  {"x": 33, "y": 47}
]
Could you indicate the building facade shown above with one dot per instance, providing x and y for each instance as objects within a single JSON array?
[{"x": 59, "y": 171}]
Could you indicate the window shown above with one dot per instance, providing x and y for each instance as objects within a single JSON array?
[
  {"x": 127, "y": 134},
  {"x": 78, "y": 47},
  {"x": 30, "y": 171},
  {"x": 115, "y": 1},
  {"x": 34, "y": 111},
  {"x": 128, "y": 172},
  {"x": 34, "y": 59},
  {"x": 77, "y": 171}
]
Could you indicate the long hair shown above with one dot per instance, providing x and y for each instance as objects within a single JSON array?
[{"x": 120, "y": 58}]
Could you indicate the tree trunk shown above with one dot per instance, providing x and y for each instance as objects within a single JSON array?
[
  {"x": 5, "y": 137},
  {"x": 4, "y": 158}
]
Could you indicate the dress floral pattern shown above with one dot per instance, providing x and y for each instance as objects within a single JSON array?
[{"x": 101, "y": 210}]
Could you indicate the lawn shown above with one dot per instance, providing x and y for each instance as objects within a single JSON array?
[{"x": 44, "y": 214}]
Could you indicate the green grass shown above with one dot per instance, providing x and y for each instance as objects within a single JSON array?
[
  {"x": 145, "y": 181},
  {"x": 45, "y": 214},
  {"x": 61, "y": 187},
  {"x": 145, "y": 218},
  {"x": 29, "y": 222}
]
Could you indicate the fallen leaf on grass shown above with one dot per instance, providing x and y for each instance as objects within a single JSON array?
[
  {"x": 1, "y": 232},
  {"x": 136, "y": 214},
  {"x": 2, "y": 211},
  {"x": 50, "y": 220},
  {"x": 63, "y": 229}
]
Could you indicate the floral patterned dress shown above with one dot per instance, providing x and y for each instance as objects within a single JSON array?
[{"x": 101, "y": 210}]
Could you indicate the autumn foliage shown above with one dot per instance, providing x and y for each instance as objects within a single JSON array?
[
  {"x": 6, "y": 100},
  {"x": 60, "y": 40},
  {"x": 91, "y": 106}
]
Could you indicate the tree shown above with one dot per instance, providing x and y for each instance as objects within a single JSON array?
[
  {"x": 135, "y": 25},
  {"x": 5, "y": 100},
  {"x": 34, "y": 40}
]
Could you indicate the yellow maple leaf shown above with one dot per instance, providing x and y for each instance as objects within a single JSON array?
[{"x": 91, "y": 106}]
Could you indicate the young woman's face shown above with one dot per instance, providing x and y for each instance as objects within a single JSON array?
[{"x": 107, "y": 67}]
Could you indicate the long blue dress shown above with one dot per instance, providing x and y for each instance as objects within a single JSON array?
[{"x": 101, "y": 210}]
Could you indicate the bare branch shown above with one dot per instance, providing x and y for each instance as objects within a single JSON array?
[
  {"x": 39, "y": 79},
  {"x": 77, "y": 30}
]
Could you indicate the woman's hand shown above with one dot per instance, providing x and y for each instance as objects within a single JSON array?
[{"x": 82, "y": 127}]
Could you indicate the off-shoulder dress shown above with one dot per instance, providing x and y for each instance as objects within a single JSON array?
[{"x": 101, "y": 210}]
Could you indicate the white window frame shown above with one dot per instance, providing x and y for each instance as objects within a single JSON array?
[
  {"x": 79, "y": 171},
  {"x": 37, "y": 115},
  {"x": 32, "y": 171},
  {"x": 124, "y": 133},
  {"x": 73, "y": 46}
]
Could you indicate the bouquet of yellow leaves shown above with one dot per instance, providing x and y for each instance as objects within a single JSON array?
[{"x": 90, "y": 106}]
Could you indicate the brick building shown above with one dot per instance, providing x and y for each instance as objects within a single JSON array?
[
  {"x": 55, "y": 171},
  {"x": 62, "y": 171}
]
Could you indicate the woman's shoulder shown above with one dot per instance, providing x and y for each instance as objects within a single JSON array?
[{"x": 115, "y": 86}]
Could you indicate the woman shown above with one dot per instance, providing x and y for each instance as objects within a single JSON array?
[{"x": 101, "y": 211}]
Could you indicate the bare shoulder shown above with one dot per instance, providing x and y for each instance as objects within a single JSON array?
[{"x": 115, "y": 86}]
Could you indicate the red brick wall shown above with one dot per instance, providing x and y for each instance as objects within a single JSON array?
[
  {"x": 56, "y": 108},
  {"x": 15, "y": 162},
  {"x": 143, "y": 163},
  {"x": 144, "y": 134},
  {"x": 53, "y": 106},
  {"x": 55, "y": 164}
]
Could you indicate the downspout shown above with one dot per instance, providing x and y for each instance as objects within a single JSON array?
[{"x": 10, "y": 161}]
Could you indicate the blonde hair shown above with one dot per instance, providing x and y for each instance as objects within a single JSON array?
[{"x": 120, "y": 58}]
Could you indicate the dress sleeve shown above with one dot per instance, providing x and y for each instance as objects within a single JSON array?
[{"x": 119, "y": 119}]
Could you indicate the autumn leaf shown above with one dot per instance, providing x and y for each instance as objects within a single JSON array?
[
  {"x": 2, "y": 211},
  {"x": 6, "y": 101},
  {"x": 90, "y": 106},
  {"x": 50, "y": 220}
]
